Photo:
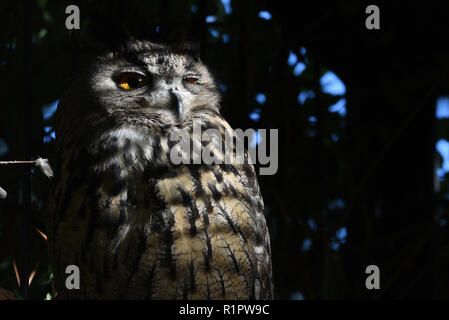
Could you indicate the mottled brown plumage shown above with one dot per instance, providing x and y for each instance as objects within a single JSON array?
[{"x": 138, "y": 226}]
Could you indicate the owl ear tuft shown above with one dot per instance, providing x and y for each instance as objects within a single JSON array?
[
  {"x": 105, "y": 34},
  {"x": 191, "y": 48},
  {"x": 99, "y": 32}
]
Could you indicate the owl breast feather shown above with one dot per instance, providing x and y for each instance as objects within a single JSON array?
[{"x": 141, "y": 227}]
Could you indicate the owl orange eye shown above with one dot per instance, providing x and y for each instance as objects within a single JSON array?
[
  {"x": 130, "y": 80},
  {"x": 191, "y": 79}
]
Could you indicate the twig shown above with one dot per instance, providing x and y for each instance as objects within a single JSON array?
[
  {"x": 41, "y": 163},
  {"x": 17, "y": 162}
]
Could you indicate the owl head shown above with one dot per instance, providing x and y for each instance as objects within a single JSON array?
[{"x": 141, "y": 83}]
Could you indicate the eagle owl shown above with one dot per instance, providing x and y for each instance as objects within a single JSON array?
[{"x": 137, "y": 225}]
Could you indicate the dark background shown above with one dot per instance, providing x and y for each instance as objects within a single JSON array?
[{"x": 357, "y": 182}]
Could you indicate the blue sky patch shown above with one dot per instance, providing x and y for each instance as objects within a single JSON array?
[
  {"x": 265, "y": 15},
  {"x": 49, "y": 109},
  {"x": 331, "y": 84}
]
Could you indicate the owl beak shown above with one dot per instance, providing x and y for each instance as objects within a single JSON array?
[{"x": 177, "y": 104}]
